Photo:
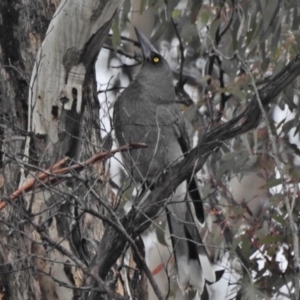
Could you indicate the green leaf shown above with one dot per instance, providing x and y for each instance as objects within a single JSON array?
[
  {"x": 272, "y": 250},
  {"x": 160, "y": 233},
  {"x": 246, "y": 246},
  {"x": 294, "y": 147},
  {"x": 175, "y": 13},
  {"x": 296, "y": 19},
  {"x": 249, "y": 35},
  {"x": 276, "y": 198},
  {"x": 236, "y": 91},
  {"x": 143, "y": 5},
  {"x": 156, "y": 4},
  {"x": 276, "y": 40},
  {"x": 116, "y": 38},
  {"x": 272, "y": 182},
  {"x": 195, "y": 6},
  {"x": 272, "y": 239},
  {"x": 279, "y": 219},
  {"x": 214, "y": 27},
  {"x": 280, "y": 123},
  {"x": 235, "y": 243},
  {"x": 288, "y": 126},
  {"x": 125, "y": 12},
  {"x": 235, "y": 41},
  {"x": 242, "y": 23},
  {"x": 251, "y": 30},
  {"x": 269, "y": 12},
  {"x": 203, "y": 19},
  {"x": 228, "y": 156},
  {"x": 279, "y": 66},
  {"x": 295, "y": 173},
  {"x": 171, "y": 9},
  {"x": 203, "y": 79}
]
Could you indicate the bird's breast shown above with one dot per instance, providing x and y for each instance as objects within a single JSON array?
[{"x": 141, "y": 121}]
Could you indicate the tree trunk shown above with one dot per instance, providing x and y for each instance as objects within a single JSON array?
[{"x": 46, "y": 237}]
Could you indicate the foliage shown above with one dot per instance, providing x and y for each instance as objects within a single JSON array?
[{"x": 219, "y": 39}]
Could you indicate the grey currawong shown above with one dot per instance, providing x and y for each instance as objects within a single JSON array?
[{"x": 146, "y": 112}]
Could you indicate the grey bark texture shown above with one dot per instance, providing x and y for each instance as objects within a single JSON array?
[
  {"x": 22, "y": 29},
  {"x": 49, "y": 109}
]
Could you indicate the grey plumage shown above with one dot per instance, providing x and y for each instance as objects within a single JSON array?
[{"x": 146, "y": 112}]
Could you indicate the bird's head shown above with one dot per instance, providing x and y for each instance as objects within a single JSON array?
[{"x": 155, "y": 69}]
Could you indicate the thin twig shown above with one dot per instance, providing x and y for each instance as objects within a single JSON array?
[
  {"x": 114, "y": 88},
  {"x": 49, "y": 176}
]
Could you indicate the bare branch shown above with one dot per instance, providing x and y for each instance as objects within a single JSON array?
[{"x": 49, "y": 176}]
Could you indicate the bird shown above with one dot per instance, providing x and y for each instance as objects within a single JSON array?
[{"x": 146, "y": 111}]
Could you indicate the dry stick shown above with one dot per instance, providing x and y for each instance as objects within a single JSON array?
[
  {"x": 29, "y": 185},
  {"x": 280, "y": 170},
  {"x": 48, "y": 176}
]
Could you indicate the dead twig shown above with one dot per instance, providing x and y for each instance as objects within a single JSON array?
[{"x": 49, "y": 176}]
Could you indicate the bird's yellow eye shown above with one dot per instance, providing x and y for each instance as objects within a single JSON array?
[{"x": 156, "y": 59}]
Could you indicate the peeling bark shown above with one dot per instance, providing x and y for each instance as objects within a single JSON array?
[
  {"x": 48, "y": 100},
  {"x": 73, "y": 41},
  {"x": 22, "y": 28}
]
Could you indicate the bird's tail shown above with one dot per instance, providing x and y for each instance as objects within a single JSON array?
[{"x": 192, "y": 263}]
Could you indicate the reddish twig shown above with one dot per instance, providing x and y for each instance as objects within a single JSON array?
[{"x": 48, "y": 176}]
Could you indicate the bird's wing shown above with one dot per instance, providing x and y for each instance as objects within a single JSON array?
[
  {"x": 162, "y": 113},
  {"x": 193, "y": 188},
  {"x": 170, "y": 114}
]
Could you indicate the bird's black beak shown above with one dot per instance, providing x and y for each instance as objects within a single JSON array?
[{"x": 147, "y": 47}]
